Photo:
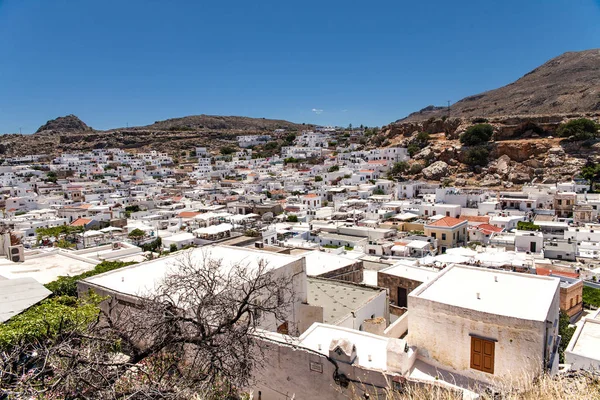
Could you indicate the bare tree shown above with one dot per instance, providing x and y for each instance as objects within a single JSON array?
[{"x": 193, "y": 334}]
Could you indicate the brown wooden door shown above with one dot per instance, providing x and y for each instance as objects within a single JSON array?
[{"x": 482, "y": 354}]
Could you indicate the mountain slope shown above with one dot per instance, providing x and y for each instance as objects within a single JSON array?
[{"x": 569, "y": 83}]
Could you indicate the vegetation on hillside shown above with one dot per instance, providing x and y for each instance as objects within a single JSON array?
[
  {"x": 579, "y": 129},
  {"x": 477, "y": 134}
]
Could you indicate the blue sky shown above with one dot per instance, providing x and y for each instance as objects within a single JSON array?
[{"x": 116, "y": 62}]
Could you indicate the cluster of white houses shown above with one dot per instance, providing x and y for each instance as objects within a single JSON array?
[{"x": 394, "y": 281}]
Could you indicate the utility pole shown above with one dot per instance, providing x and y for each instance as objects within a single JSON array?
[{"x": 448, "y": 108}]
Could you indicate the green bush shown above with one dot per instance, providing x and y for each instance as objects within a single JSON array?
[
  {"x": 579, "y": 129},
  {"x": 527, "y": 226},
  {"x": 476, "y": 156},
  {"x": 591, "y": 296},
  {"x": 226, "y": 150},
  {"x": 271, "y": 146},
  {"x": 172, "y": 248},
  {"x": 50, "y": 318},
  {"x": 422, "y": 137},
  {"x": 415, "y": 169},
  {"x": 334, "y": 168},
  {"x": 318, "y": 178},
  {"x": 566, "y": 332},
  {"x": 292, "y": 218},
  {"x": 67, "y": 285},
  {"x": 413, "y": 149},
  {"x": 477, "y": 134}
]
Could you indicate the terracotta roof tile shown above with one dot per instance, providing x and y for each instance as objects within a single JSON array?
[{"x": 446, "y": 222}]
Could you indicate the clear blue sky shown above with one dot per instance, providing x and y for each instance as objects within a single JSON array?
[{"x": 113, "y": 62}]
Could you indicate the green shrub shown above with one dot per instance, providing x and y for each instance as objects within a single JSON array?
[
  {"x": 476, "y": 156},
  {"x": 334, "y": 168},
  {"x": 67, "y": 285},
  {"x": 172, "y": 248},
  {"x": 413, "y": 149},
  {"x": 527, "y": 226},
  {"x": 566, "y": 332},
  {"x": 226, "y": 150},
  {"x": 415, "y": 169},
  {"x": 422, "y": 137},
  {"x": 292, "y": 218},
  {"x": 579, "y": 129},
  {"x": 477, "y": 134},
  {"x": 318, "y": 178},
  {"x": 591, "y": 296},
  {"x": 50, "y": 318}
]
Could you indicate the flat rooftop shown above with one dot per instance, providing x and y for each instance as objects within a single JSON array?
[
  {"x": 17, "y": 295},
  {"x": 509, "y": 294},
  {"x": 367, "y": 344},
  {"x": 587, "y": 342},
  {"x": 419, "y": 274},
  {"x": 322, "y": 262},
  {"x": 337, "y": 298},
  {"x": 140, "y": 279},
  {"x": 46, "y": 267}
]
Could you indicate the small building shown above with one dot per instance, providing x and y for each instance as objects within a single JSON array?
[
  {"x": 583, "y": 351},
  {"x": 486, "y": 324},
  {"x": 402, "y": 279},
  {"x": 450, "y": 232}
]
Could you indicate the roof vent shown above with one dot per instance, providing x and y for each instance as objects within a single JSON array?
[
  {"x": 478, "y": 296},
  {"x": 495, "y": 278}
]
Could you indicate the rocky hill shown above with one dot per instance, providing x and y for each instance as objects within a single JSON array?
[
  {"x": 216, "y": 122},
  {"x": 69, "y": 133},
  {"x": 524, "y": 115},
  {"x": 69, "y": 123},
  {"x": 567, "y": 84}
]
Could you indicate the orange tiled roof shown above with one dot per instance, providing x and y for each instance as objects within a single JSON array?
[
  {"x": 547, "y": 271},
  {"x": 446, "y": 222},
  {"x": 310, "y": 195},
  {"x": 489, "y": 228},
  {"x": 475, "y": 218},
  {"x": 188, "y": 214},
  {"x": 81, "y": 222}
]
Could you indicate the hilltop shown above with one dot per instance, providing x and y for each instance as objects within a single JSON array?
[
  {"x": 567, "y": 84},
  {"x": 69, "y": 123}
]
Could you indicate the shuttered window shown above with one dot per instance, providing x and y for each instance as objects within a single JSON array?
[{"x": 482, "y": 354}]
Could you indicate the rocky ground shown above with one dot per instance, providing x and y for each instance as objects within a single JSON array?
[{"x": 523, "y": 150}]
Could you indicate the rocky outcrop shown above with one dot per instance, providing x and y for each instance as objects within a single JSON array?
[
  {"x": 436, "y": 171},
  {"x": 69, "y": 123}
]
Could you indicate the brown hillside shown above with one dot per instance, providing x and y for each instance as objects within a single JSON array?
[{"x": 569, "y": 83}]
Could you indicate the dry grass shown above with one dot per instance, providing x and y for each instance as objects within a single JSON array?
[{"x": 572, "y": 386}]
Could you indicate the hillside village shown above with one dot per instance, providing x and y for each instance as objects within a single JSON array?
[{"x": 396, "y": 281}]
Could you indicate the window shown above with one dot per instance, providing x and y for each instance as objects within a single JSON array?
[
  {"x": 433, "y": 235},
  {"x": 482, "y": 354},
  {"x": 443, "y": 236}
]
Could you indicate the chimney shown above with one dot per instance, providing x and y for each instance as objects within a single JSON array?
[
  {"x": 495, "y": 278},
  {"x": 478, "y": 296}
]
